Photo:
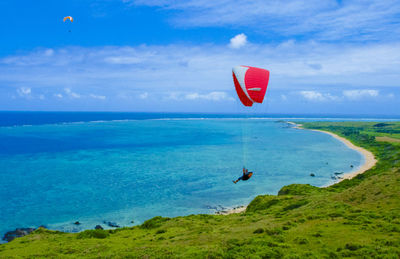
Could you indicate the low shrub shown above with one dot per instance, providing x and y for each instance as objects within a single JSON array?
[
  {"x": 154, "y": 222},
  {"x": 98, "y": 233},
  {"x": 160, "y": 231},
  {"x": 258, "y": 231},
  {"x": 295, "y": 205}
]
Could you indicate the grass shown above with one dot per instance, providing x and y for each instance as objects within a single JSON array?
[
  {"x": 388, "y": 139},
  {"x": 354, "y": 218}
]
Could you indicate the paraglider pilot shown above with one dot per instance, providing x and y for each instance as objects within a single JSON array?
[{"x": 246, "y": 175}]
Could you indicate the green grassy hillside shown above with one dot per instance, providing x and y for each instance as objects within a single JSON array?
[{"x": 354, "y": 218}]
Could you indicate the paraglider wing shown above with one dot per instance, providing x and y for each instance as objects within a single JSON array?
[
  {"x": 239, "y": 73},
  {"x": 250, "y": 83},
  {"x": 68, "y": 18}
]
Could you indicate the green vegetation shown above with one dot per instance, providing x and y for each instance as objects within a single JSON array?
[{"x": 354, "y": 218}]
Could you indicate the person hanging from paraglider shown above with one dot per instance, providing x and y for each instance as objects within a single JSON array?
[
  {"x": 246, "y": 175},
  {"x": 68, "y": 18},
  {"x": 251, "y": 85}
]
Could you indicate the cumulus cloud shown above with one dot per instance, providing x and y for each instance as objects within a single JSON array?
[
  {"x": 360, "y": 93},
  {"x": 312, "y": 95},
  {"x": 99, "y": 97},
  {"x": 192, "y": 96},
  {"x": 24, "y": 91},
  {"x": 198, "y": 70},
  {"x": 213, "y": 96},
  {"x": 49, "y": 52},
  {"x": 144, "y": 95},
  {"x": 238, "y": 41},
  {"x": 71, "y": 94},
  {"x": 123, "y": 60},
  {"x": 162, "y": 66},
  {"x": 317, "y": 96},
  {"x": 172, "y": 96},
  {"x": 357, "y": 94}
]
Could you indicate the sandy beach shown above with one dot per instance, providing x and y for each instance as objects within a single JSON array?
[{"x": 370, "y": 161}]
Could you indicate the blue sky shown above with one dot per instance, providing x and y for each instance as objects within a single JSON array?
[{"x": 338, "y": 57}]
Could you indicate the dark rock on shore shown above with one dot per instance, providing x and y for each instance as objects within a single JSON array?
[
  {"x": 111, "y": 224},
  {"x": 19, "y": 232},
  {"x": 98, "y": 227}
]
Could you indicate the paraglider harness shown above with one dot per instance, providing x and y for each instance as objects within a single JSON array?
[{"x": 246, "y": 175}]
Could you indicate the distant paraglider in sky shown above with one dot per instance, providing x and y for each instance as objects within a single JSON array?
[
  {"x": 68, "y": 18},
  {"x": 250, "y": 84}
]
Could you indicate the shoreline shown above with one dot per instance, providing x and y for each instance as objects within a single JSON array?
[
  {"x": 369, "y": 158},
  {"x": 369, "y": 162}
]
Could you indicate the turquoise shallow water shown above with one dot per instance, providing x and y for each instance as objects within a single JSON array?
[{"x": 121, "y": 171}]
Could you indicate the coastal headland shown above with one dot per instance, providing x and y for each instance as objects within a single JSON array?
[
  {"x": 369, "y": 162},
  {"x": 357, "y": 217}
]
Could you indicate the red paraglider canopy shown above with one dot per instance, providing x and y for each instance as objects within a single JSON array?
[{"x": 250, "y": 83}]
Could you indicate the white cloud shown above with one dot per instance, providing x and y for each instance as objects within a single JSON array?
[
  {"x": 42, "y": 97},
  {"x": 348, "y": 94},
  {"x": 99, "y": 97},
  {"x": 24, "y": 91},
  {"x": 317, "y": 96},
  {"x": 188, "y": 69},
  {"x": 49, "y": 52},
  {"x": 312, "y": 95},
  {"x": 360, "y": 93},
  {"x": 123, "y": 60},
  {"x": 238, "y": 41},
  {"x": 213, "y": 96},
  {"x": 58, "y": 95},
  {"x": 192, "y": 96},
  {"x": 172, "y": 96},
  {"x": 326, "y": 20},
  {"x": 144, "y": 95},
  {"x": 71, "y": 94}
]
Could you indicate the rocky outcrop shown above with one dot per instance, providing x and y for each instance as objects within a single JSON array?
[
  {"x": 111, "y": 224},
  {"x": 19, "y": 232}
]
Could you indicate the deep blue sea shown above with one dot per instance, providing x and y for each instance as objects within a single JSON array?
[{"x": 57, "y": 168}]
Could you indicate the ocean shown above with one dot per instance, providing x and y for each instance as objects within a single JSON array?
[{"x": 58, "y": 168}]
